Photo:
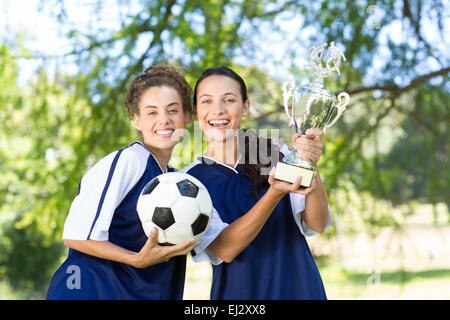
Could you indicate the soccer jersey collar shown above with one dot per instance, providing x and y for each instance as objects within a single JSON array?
[
  {"x": 168, "y": 169},
  {"x": 216, "y": 164}
]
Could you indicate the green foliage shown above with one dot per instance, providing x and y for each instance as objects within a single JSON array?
[
  {"x": 421, "y": 155},
  {"x": 28, "y": 257}
]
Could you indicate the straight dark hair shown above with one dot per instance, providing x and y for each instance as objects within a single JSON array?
[
  {"x": 222, "y": 71},
  {"x": 258, "y": 151}
]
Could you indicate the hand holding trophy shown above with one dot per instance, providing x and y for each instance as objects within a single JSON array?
[{"x": 312, "y": 106}]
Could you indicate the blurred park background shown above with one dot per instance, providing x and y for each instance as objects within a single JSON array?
[{"x": 64, "y": 71}]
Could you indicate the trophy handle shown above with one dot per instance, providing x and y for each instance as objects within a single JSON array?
[
  {"x": 343, "y": 99},
  {"x": 288, "y": 88}
]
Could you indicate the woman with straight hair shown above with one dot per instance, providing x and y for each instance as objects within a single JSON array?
[{"x": 275, "y": 262}]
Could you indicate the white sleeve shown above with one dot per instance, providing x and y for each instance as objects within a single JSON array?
[
  {"x": 101, "y": 191},
  {"x": 298, "y": 205},
  {"x": 285, "y": 150},
  {"x": 202, "y": 253}
]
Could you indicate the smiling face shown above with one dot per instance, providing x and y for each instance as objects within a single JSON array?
[
  {"x": 220, "y": 107},
  {"x": 161, "y": 118}
]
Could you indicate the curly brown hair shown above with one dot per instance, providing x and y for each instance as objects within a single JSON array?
[{"x": 157, "y": 76}]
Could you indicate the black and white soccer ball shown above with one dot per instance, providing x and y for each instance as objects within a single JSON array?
[{"x": 178, "y": 205}]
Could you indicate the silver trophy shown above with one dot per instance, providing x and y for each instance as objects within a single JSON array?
[{"x": 313, "y": 106}]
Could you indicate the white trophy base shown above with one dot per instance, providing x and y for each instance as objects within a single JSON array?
[{"x": 289, "y": 173}]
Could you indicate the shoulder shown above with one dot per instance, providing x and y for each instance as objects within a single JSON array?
[
  {"x": 135, "y": 157},
  {"x": 190, "y": 166},
  {"x": 135, "y": 152},
  {"x": 199, "y": 170},
  {"x": 131, "y": 158}
]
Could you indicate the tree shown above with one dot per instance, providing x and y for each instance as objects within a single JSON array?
[{"x": 27, "y": 249}]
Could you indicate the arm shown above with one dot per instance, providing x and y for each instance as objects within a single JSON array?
[
  {"x": 102, "y": 189},
  {"x": 150, "y": 254},
  {"x": 239, "y": 234},
  {"x": 310, "y": 147},
  {"x": 315, "y": 214}
]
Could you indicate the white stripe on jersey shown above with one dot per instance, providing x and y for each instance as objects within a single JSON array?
[{"x": 93, "y": 208}]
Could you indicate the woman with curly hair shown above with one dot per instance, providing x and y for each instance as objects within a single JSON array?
[{"x": 110, "y": 257}]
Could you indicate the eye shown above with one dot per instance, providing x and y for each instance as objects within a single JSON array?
[
  {"x": 152, "y": 113},
  {"x": 230, "y": 100},
  {"x": 173, "y": 111},
  {"x": 206, "y": 101}
]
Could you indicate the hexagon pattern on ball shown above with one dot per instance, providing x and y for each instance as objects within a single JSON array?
[
  {"x": 185, "y": 210},
  {"x": 178, "y": 232},
  {"x": 165, "y": 194},
  {"x": 204, "y": 201}
]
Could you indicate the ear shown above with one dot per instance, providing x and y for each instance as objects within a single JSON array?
[
  {"x": 187, "y": 118},
  {"x": 137, "y": 122},
  {"x": 245, "y": 108}
]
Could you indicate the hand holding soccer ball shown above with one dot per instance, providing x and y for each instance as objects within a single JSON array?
[
  {"x": 178, "y": 205},
  {"x": 152, "y": 253}
]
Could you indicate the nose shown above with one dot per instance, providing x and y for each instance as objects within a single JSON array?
[
  {"x": 218, "y": 108},
  {"x": 163, "y": 118}
]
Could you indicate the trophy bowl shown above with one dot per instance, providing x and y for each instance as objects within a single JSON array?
[{"x": 312, "y": 106}]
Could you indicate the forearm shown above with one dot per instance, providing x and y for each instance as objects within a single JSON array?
[
  {"x": 239, "y": 234},
  {"x": 316, "y": 207},
  {"x": 103, "y": 249}
]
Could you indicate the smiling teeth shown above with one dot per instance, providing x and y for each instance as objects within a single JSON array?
[
  {"x": 164, "y": 132},
  {"x": 218, "y": 121}
]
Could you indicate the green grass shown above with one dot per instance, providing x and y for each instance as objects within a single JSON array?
[{"x": 393, "y": 284}]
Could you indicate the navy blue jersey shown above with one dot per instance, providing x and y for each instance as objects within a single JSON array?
[
  {"x": 278, "y": 263},
  {"x": 105, "y": 210}
]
